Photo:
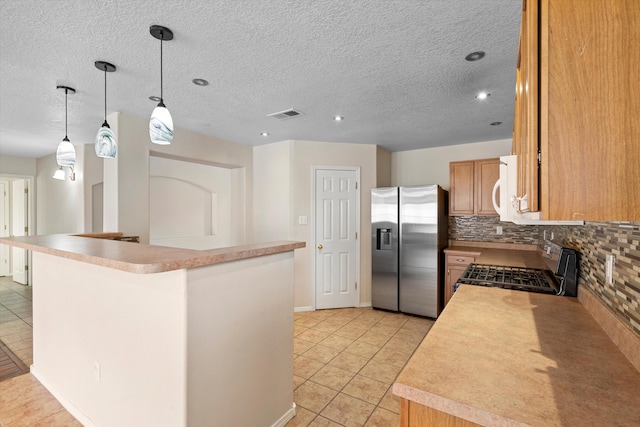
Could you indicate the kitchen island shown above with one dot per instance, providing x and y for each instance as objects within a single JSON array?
[
  {"x": 499, "y": 357},
  {"x": 127, "y": 334}
]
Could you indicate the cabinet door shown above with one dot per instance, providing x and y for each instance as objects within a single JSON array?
[
  {"x": 453, "y": 274},
  {"x": 461, "y": 194},
  {"x": 487, "y": 172},
  {"x": 590, "y": 109},
  {"x": 526, "y": 142}
]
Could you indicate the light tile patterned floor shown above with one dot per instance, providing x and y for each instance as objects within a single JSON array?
[
  {"x": 16, "y": 319},
  {"x": 345, "y": 362}
]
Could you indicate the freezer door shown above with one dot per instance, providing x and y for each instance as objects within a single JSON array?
[
  {"x": 419, "y": 259},
  {"x": 384, "y": 248}
]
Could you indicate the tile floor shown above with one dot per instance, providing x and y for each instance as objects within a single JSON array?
[
  {"x": 345, "y": 361},
  {"x": 16, "y": 319}
]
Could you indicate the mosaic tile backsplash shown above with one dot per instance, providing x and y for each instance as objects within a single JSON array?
[
  {"x": 594, "y": 240},
  {"x": 484, "y": 229}
]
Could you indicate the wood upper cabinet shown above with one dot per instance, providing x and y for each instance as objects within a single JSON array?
[
  {"x": 471, "y": 186},
  {"x": 577, "y": 103}
]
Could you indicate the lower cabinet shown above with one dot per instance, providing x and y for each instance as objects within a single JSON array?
[
  {"x": 413, "y": 414},
  {"x": 455, "y": 264}
]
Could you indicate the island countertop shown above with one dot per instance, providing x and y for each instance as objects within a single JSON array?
[
  {"x": 512, "y": 358},
  {"x": 142, "y": 258}
]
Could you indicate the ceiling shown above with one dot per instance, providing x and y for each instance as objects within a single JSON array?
[{"x": 394, "y": 69}]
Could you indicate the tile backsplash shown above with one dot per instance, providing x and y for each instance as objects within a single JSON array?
[
  {"x": 594, "y": 240},
  {"x": 485, "y": 229}
]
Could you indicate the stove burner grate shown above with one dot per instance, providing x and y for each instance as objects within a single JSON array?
[{"x": 518, "y": 278}]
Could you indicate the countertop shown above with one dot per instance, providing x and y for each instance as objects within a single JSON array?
[
  {"x": 141, "y": 258},
  {"x": 511, "y": 358}
]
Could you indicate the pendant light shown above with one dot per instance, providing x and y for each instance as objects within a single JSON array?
[
  {"x": 59, "y": 174},
  {"x": 105, "y": 139},
  {"x": 66, "y": 152},
  {"x": 161, "y": 123}
]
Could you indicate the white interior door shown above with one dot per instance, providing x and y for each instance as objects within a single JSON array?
[
  {"x": 19, "y": 222},
  {"x": 336, "y": 222},
  {"x": 5, "y": 265}
]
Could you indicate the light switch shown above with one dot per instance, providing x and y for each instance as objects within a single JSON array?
[{"x": 302, "y": 220}]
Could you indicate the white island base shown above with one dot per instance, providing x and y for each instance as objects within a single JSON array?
[{"x": 205, "y": 346}]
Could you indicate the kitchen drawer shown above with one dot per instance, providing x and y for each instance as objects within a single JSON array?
[{"x": 460, "y": 259}]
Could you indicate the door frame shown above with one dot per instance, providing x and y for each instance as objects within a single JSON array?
[
  {"x": 31, "y": 213},
  {"x": 314, "y": 169}
]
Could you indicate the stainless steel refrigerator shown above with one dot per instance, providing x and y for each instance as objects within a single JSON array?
[{"x": 409, "y": 232}]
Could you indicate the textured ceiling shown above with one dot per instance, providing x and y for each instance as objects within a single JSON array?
[{"x": 394, "y": 69}]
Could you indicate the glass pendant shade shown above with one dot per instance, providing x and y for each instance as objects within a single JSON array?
[
  {"x": 59, "y": 174},
  {"x": 161, "y": 125},
  {"x": 105, "y": 142},
  {"x": 66, "y": 153}
]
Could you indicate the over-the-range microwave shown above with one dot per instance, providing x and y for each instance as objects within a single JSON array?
[{"x": 512, "y": 208}]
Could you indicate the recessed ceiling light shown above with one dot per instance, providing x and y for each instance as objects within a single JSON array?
[
  {"x": 338, "y": 118},
  {"x": 264, "y": 134},
  {"x": 200, "y": 82},
  {"x": 483, "y": 95},
  {"x": 474, "y": 56},
  {"x": 155, "y": 98},
  {"x": 495, "y": 123}
]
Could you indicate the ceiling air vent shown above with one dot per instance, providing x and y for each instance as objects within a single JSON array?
[{"x": 286, "y": 114}]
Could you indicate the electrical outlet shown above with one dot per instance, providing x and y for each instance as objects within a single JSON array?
[
  {"x": 499, "y": 229},
  {"x": 608, "y": 268},
  {"x": 96, "y": 371}
]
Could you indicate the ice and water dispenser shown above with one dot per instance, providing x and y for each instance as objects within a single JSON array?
[{"x": 383, "y": 239}]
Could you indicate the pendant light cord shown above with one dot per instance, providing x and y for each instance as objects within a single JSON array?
[
  {"x": 161, "y": 92},
  {"x": 66, "y": 134},
  {"x": 105, "y": 94}
]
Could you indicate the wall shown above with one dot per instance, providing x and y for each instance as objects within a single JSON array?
[
  {"x": 383, "y": 167},
  {"x": 92, "y": 174},
  {"x": 190, "y": 205},
  {"x": 126, "y": 186},
  {"x": 595, "y": 241},
  {"x": 431, "y": 165},
  {"x": 17, "y": 166},
  {"x": 293, "y": 161},
  {"x": 60, "y": 204},
  {"x": 272, "y": 194}
]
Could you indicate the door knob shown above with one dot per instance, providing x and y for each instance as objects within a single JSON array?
[{"x": 320, "y": 246}]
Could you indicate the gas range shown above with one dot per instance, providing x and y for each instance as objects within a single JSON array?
[
  {"x": 517, "y": 278},
  {"x": 563, "y": 281}
]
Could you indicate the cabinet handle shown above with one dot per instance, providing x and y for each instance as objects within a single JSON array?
[{"x": 460, "y": 260}]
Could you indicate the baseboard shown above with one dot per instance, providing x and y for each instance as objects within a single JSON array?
[
  {"x": 623, "y": 337},
  {"x": 86, "y": 422},
  {"x": 288, "y": 416},
  {"x": 60, "y": 397},
  {"x": 365, "y": 304},
  {"x": 300, "y": 309}
]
